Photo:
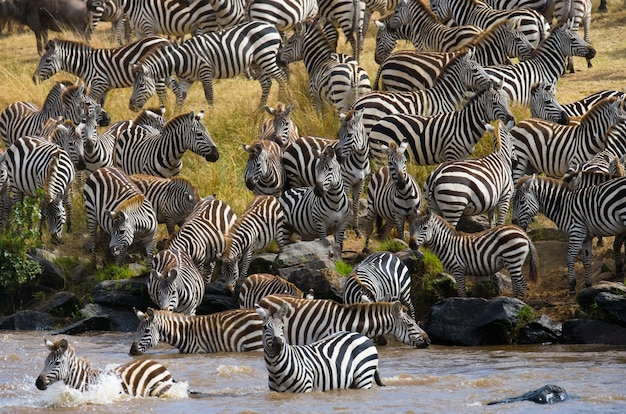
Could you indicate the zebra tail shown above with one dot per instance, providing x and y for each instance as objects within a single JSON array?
[
  {"x": 375, "y": 86},
  {"x": 354, "y": 31},
  {"x": 534, "y": 259},
  {"x": 379, "y": 382}
]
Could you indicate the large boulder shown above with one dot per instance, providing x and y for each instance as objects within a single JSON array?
[{"x": 592, "y": 331}]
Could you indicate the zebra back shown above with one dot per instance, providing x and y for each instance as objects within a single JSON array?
[
  {"x": 282, "y": 14},
  {"x": 258, "y": 285}
]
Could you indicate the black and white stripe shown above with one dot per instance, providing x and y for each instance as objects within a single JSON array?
[
  {"x": 237, "y": 330},
  {"x": 208, "y": 56},
  {"x": 144, "y": 378},
  {"x": 139, "y": 150},
  {"x": 543, "y": 104},
  {"x": 282, "y": 14},
  {"x": 393, "y": 195},
  {"x": 579, "y": 12},
  {"x": 380, "y": 277},
  {"x": 448, "y": 136},
  {"x": 229, "y": 13},
  {"x": 117, "y": 206},
  {"x": 589, "y": 212},
  {"x": 348, "y": 15},
  {"x": 262, "y": 222},
  {"x": 341, "y": 360},
  {"x": 258, "y": 285},
  {"x": 174, "y": 283},
  {"x": 476, "y": 185},
  {"x": 477, "y": 254},
  {"x": 280, "y": 128},
  {"x": 264, "y": 173},
  {"x": 582, "y": 106},
  {"x": 312, "y": 319}
]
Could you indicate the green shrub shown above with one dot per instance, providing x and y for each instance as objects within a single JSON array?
[
  {"x": 343, "y": 268},
  {"x": 113, "y": 272}
]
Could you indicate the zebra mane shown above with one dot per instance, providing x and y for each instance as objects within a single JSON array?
[
  {"x": 552, "y": 181},
  {"x": 171, "y": 261},
  {"x": 452, "y": 64},
  {"x": 475, "y": 97},
  {"x": 71, "y": 44},
  {"x": 490, "y": 31},
  {"x": 184, "y": 183},
  {"x": 366, "y": 290},
  {"x": 130, "y": 205},
  {"x": 597, "y": 108},
  {"x": 497, "y": 142},
  {"x": 51, "y": 175},
  {"x": 372, "y": 306}
]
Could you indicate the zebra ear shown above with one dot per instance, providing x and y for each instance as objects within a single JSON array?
[
  {"x": 262, "y": 312},
  {"x": 63, "y": 345},
  {"x": 397, "y": 308},
  {"x": 49, "y": 344},
  {"x": 298, "y": 29},
  {"x": 136, "y": 68},
  {"x": 270, "y": 110},
  {"x": 140, "y": 315},
  {"x": 199, "y": 115},
  {"x": 290, "y": 107},
  {"x": 380, "y": 25},
  {"x": 173, "y": 274},
  {"x": 403, "y": 146},
  {"x": 283, "y": 311}
]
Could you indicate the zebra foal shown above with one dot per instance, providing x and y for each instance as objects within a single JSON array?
[
  {"x": 477, "y": 254},
  {"x": 144, "y": 378},
  {"x": 341, "y": 360}
]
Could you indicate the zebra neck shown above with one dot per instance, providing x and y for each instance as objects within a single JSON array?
[
  {"x": 178, "y": 331},
  {"x": 491, "y": 50},
  {"x": 81, "y": 374},
  {"x": 553, "y": 199},
  {"x": 164, "y": 62},
  {"x": 548, "y": 58},
  {"x": 77, "y": 61},
  {"x": 441, "y": 235},
  {"x": 52, "y": 106}
]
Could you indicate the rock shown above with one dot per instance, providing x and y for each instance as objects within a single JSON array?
[
  {"x": 605, "y": 301},
  {"x": 52, "y": 275},
  {"x": 473, "y": 224},
  {"x": 93, "y": 323},
  {"x": 543, "y": 330},
  {"x": 61, "y": 304},
  {"x": 123, "y": 294},
  {"x": 304, "y": 252},
  {"x": 123, "y": 320},
  {"x": 591, "y": 331},
  {"x": 473, "y": 321},
  {"x": 29, "y": 320},
  {"x": 612, "y": 305}
]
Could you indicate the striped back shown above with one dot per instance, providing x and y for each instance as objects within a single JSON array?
[
  {"x": 284, "y": 14},
  {"x": 237, "y": 330},
  {"x": 258, "y": 285}
]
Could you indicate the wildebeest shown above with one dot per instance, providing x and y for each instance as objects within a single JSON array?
[{"x": 43, "y": 15}]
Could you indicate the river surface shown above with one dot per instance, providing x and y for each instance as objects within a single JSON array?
[{"x": 438, "y": 379}]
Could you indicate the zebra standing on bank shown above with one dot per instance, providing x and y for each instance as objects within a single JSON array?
[
  {"x": 477, "y": 254},
  {"x": 543, "y": 104},
  {"x": 258, "y": 285},
  {"x": 282, "y": 14},
  {"x": 208, "y": 56},
  {"x": 578, "y": 11},
  {"x": 393, "y": 194},
  {"x": 173, "y": 198},
  {"x": 236, "y": 330},
  {"x": 102, "y": 69},
  {"x": 476, "y": 185},
  {"x": 547, "y": 64},
  {"x": 169, "y": 17},
  {"x": 341, "y": 360},
  {"x": 174, "y": 282},
  {"x": 264, "y": 173},
  {"x": 280, "y": 128},
  {"x": 330, "y": 81},
  {"x": 409, "y": 70},
  {"x": 583, "y": 214},
  {"x": 543, "y": 146},
  {"x": 461, "y": 74},
  {"x": 448, "y": 136},
  {"x": 380, "y": 277},
  {"x": 33, "y": 164},
  {"x": 312, "y": 319},
  {"x": 139, "y": 150},
  {"x": 262, "y": 222},
  {"x": 115, "y": 204},
  {"x": 144, "y": 378},
  {"x": 203, "y": 234}
]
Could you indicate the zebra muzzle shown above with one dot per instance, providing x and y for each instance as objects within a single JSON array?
[{"x": 41, "y": 383}]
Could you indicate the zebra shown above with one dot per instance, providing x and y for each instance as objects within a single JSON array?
[
  {"x": 341, "y": 360},
  {"x": 477, "y": 254},
  {"x": 102, "y": 69},
  {"x": 139, "y": 150},
  {"x": 262, "y": 222},
  {"x": 66, "y": 136},
  {"x": 547, "y": 64},
  {"x": 312, "y": 319},
  {"x": 174, "y": 282},
  {"x": 543, "y": 146},
  {"x": 380, "y": 277},
  {"x": 264, "y": 173},
  {"x": 383, "y": 7},
  {"x": 476, "y": 185},
  {"x": 414, "y": 21},
  {"x": 351, "y": 149},
  {"x": 543, "y": 103},
  {"x": 408, "y": 70},
  {"x": 169, "y": 17},
  {"x": 173, "y": 198},
  {"x": 474, "y": 12},
  {"x": 283, "y": 14},
  {"x": 117, "y": 206},
  {"x": 578, "y": 11},
  {"x": 313, "y": 212},
  {"x": 32, "y": 164},
  {"x": 582, "y": 106},
  {"x": 208, "y": 56},
  {"x": 460, "y": 74},
  {"x": 280, "y": 128},
  {"x": 337, "y": 83},
  {"x": 347, "y": 14},
  {"x": 392, "y": 194},
  {"x": 448, "y": 136},
  {"x": 236, "y": 330},
  {"x": 229, "y": 13},
  {"x": 589, "y": 212},
  {"x": 258, "y": 285},
  {"x": 202, "y": 235},
  {"x": 144, "y": 378},
  {"x": 19, "y": 119},
  {"x": 110, "y": 11}
]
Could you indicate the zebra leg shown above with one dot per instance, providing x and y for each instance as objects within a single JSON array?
[
  {"x": 266, "y": 84},
  {"x": 67, "y": 204},
  {"x": 207, "y": 85},
  {"x": 459, "y": 277},
  {"x": 181, "y": 93},
  {"x": 586, "y": 253},
  {"x": 572, "y": 252},
  {"x": 369, "y": 227},
  {"x": 517, "y": 279},
  {"x": 617, "y": 251},
  {"x": 356, "y": 194}
]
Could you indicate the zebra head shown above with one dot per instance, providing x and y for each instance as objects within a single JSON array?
[
  {"x": 386, "y": 40},
  {"x": 74, "y": 100},
  {"x": 407, "y": 330},
  {"x": 163, "y": 279},
  {"x": 421, "y": 231},
  {"x": 122, "y": 233},
  {"x": 442, "y": 9},
  {"x": 230, "y": 271},
  {"x": 351, "y": 135},
  {"x": 516, "y": 42},
  {"x": 496, "y": 103},
  {"x": 544, "y": 105},
  {"x": 282, "y": 122},
  {"x": 273, "y": 329},
  {"x": 194, "y": 135},
  {"x": 396, "y": 161},
  {"x": 144, "y": 86},
  {"x": 147, "y": 332},
  {"x": 67, "y": 136},
  {"x": 54, "y": 214},
  {"x": 570, "y": 43},
  {"x": 57, "y": 366},
  {"x": 257, "y": 164},
  {"x": 327, "y": 172},
  {"x": 524, "y": 201},
  {"x": 87, "y": 129},
  {"x": 293, "y": 49},
  {"x": 471, "y": 73},
  {"x": 49, "y": 63}
]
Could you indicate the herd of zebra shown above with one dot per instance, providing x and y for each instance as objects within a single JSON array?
[{"x": 428, "y": 106}]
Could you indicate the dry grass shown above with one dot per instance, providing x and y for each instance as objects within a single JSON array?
[{"x": 235, "y": 118}]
